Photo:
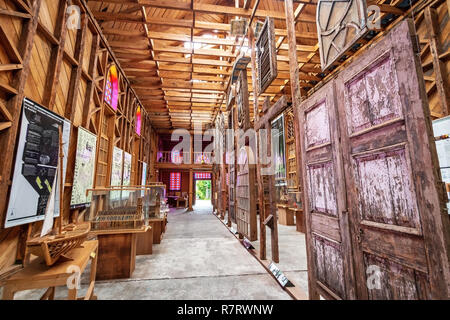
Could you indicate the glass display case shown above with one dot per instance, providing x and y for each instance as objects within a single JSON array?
[
  {"x": 158, "y": 203},
  {"x": 294, "y": 199},
  {"x": 118, "y": 208},
  {"x": 281, "y": 193},
  {"x": 126, "y": 207}
]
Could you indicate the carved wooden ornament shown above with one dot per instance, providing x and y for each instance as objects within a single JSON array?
[{"x": 340, "y": 24}]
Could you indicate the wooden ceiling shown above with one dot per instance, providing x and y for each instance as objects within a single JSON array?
[{"x": 178, "y": 54}]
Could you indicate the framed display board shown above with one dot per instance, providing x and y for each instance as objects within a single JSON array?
[
  {"x": 441, "y": 129},
  {"x": 117, "y": 166},
  {"x": 83, "y": 178},
  {"x": 126, "y": 178},
  {"x": 36, "y": 164},
  {"x": 144, "y": 174}
]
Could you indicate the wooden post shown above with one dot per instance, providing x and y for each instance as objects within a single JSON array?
[
  {"x": 24, "y": 48},
  {"x": 213, "y": 181},
  {"x": 431, "y": 19},
  {"x": 262, "y": 227},
  {"x": 191, "y": 187},
  {"x": 76, "y": 70},
  {"x": 56, "y": 57},
  {"x": 296, "y": 101},
  {"x": 273, "y": 208}
]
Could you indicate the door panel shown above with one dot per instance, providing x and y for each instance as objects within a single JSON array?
[
  {"x": 400, "y": 251},
  {"x": 329, "y": 250},
  {"x": 376, "y": 228},
  {"x": 245, "y": 205}
]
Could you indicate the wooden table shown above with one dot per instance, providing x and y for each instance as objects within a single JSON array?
[
  {"x": 38, "y": 275},
  {"x": 182, "y": 200},
  {"x": 117, "y": 252}
]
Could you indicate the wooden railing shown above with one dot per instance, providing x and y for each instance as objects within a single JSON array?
[{"x": 184, "y": 158}]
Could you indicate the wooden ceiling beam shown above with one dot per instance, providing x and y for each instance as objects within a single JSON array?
[
  {"x": 242, "y": 12},
  {"x": 209, "y": 9},
  {"x": 167, "y": 4},
  {"x": 131, "y": 18}
]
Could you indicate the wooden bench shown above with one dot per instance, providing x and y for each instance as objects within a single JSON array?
[{"x": 38, "y": 275}]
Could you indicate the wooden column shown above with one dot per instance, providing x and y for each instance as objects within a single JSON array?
[
  {"x": 432, "y": 20},
  {"x": 18, "y": 83},
  {"x": 296, "y": 101},
  {"x": 273, "y": 208},
  {"x": 76, "y": 71},
  {"x": 224, "y": 192},
  {"x": 56, "y": 57},
  {"x": 191, "y": 189},
  {"x": 213, "y": 190},
  {"x": 262, "y": 227}
]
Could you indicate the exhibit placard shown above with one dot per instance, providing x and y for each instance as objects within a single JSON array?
[
  {"x": 126, "y": 179},
  {"x": 36, "y": 164},
  {"x": 116, "y": 171},
  {"x": 84, "y": 168}
]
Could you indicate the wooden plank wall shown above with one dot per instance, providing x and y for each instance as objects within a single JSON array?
[{"x": 65, "y": 71}]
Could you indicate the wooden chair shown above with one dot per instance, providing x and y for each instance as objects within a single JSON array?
[{"x": 183, "y": 199}]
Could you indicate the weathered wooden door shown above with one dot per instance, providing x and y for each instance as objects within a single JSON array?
[
  {"x": 328, "y": 239},
  {"x": 399, "y": 229},
  {"x": 245, "y": 194},
  {"x": 376, "y": 225}
]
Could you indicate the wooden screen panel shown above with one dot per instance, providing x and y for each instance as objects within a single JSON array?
[
  {"x": 231, "y": 188},
  {"x": 242, "y": 101},
  {"x": 400, "y": 229},
  {"x": 328, "y": 234},
  {"x": 231, "y": 166},
  {"x": 340, "y": 24},
  {"x": 245, "y": 195},
  {"x": 266, "y": 56}
]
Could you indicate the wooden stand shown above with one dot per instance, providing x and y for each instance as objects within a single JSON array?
[
  {"x": 159, "y": 226},
  {"x": 285, "y": 215},
  {"x": 145, "y": 242},
  {"x": 38, "y": 275},
  {"x": 299, "y": 220},
  {"x": 117, "y": 253}
]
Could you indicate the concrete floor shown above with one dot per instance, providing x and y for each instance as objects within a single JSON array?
[
  {"x": 198, "y": 258},
  {"x": 292, "y": 253}
]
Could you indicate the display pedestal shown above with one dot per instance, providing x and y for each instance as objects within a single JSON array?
[
  {"x": 117, "y": 253},
  {"x": 299, "y": 220},
  {"x": 159, "y": 226},
  {"x": 38, "y": 275},
  {"x": 145, "y": 242},
  {"x": 285, "y": 215}
]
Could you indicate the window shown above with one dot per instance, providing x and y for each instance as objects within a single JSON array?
[
  {"x": 112, "y": 87},
  {"x": 138, "y": 120},
  {"x": 202, "y": 176},
  {"x": 175, "y": 181}
]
